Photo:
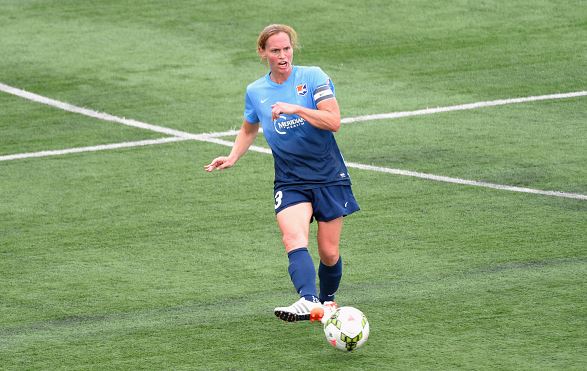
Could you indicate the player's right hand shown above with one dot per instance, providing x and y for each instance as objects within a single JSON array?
[{"x": 219, "y": 163}]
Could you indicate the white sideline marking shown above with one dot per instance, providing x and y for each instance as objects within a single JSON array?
[
  {"x": 178, "y": 135},
  {"x": 438, "y": 178},
  {"x": 446, "y": 179},
  {"x": 108, "y": 117},
  {"x": 102, "y": 147},
  {"x": 461, "y": 107}
]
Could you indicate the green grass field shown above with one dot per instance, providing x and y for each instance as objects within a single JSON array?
[{"x": 135, "y": 258}]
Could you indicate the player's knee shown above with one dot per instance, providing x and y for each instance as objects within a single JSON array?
[
  {"x": 329, "y": 257},
  {"x": 293, "y": 241}
]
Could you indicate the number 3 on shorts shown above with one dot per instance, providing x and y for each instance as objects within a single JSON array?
[{"x": 278, "y": 197}]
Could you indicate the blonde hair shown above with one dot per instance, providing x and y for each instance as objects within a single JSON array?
[{"x": 274, "y": 29}]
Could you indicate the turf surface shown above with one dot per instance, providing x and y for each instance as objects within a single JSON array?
[{"x": 137, "y": 259}]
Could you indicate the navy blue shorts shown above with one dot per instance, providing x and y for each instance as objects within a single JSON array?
[{"x": 328, "y": 202}]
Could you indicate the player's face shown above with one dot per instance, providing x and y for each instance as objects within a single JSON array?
[{"x": 279, "y": 54}]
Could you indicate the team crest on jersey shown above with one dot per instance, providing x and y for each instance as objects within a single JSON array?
[{"x": 302, "y": 89}]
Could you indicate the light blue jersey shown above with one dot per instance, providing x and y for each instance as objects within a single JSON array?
[{"x": 304, "y": 156}]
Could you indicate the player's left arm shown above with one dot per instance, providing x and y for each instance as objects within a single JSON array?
[{"x": 326, "y": 117}]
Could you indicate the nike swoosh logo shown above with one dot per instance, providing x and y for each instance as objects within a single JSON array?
[
  {"x": 345, "y": 204},
  {"x": 264, "y": 100}
]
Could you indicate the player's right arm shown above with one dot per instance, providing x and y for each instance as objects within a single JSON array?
[{"x": 245, "y": 138}]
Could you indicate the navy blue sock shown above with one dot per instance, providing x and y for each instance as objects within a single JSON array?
[
  {"x": 302, "y": 272},
  {"x": 329, "y": 280}
]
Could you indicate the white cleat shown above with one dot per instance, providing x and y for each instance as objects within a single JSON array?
[{"x": 298, "y": 311}]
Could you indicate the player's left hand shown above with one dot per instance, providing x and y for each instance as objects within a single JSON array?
[{"x": 281, "y": 107}]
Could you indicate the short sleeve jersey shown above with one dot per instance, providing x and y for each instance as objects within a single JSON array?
[{"x": 304, "y": 156}]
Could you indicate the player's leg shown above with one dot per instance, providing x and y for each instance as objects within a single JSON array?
[
  {"x": 294, "y": 223},
  {"x": 330, "y": 269},
  {"x": 331, "y": 205}
]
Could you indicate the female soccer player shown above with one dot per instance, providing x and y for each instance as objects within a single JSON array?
[{"x": 298, "y": 110}]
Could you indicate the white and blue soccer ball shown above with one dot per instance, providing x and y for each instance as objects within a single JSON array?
[{"x": 347, "y": 329}]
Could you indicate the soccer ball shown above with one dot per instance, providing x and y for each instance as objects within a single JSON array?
[{"x": 347, "y": 329}]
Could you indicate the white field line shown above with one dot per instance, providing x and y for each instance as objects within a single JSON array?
[
  {"x": 108, "y": 117},
  {"x": 214, "y": 137},
  {"x": 102, "y": 147},
  {"x": 438, "y": 178},
  {"x": 462, "y": 107},
  {"x": 446, "y": 179}
]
